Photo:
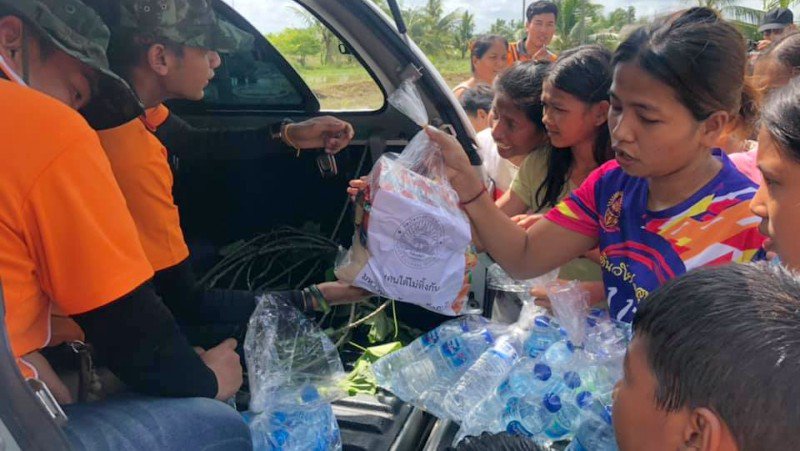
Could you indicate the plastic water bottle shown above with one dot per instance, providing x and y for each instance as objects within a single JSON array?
[
  {"x": 595, "y": 432},
  {"x": 565, "y": 404},
  {"x": 532, "y": 378},
  {"x": 524, "y": 418},
  {"x": 543, "y": 334},
  {"x": 487, "y": 372},
  {"x": 559, "y": 356},
  {"x": 388, "y": 368},
  {"x": 489, "y": 415},
  {"x": 429, "y": 378}
]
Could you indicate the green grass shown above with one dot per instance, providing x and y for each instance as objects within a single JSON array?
[{"x": 350, "y": 87}]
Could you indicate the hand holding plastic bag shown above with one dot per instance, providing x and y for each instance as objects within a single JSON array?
[
  {"x": 285, "y": 351},
  {"x": 412, "y": 241}
]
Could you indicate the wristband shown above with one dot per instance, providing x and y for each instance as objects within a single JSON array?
[
  {"x": 323, "y": 305},
  {"x": 278, "y": 131},
  {"x": 480, "y": 193}
]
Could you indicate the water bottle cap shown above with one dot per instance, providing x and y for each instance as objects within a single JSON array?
[
  {"x": 591, "y": 322},
  {"x": 570, "y": 346},
  {"x": 552, "y": 402},
  {"x": 281, "y": 436},
  {"x": 542, "y": 321},
  {"x": 542, "y": 371},
  {"x": 584, "y": 399},
  {"x": 488, "y": 337},
  {"x": 309, "y": 394},
  {"x": 278, "y": 417},
  {"x": 572, "y": 379}
]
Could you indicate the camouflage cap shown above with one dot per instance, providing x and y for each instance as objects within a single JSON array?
[
  {"x": 188, "y": 22},
  {"x": 78, "y": 31}
]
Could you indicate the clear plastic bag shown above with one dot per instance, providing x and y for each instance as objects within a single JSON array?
[
  {"x": 571, "y": 306},
  {"x": 285, "y": 351},
  {"x": 412, "y": 241}
]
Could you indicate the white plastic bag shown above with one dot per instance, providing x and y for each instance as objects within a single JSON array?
[
  {"x": 412, "y": 241},
  {"x": 286, "y": 352}
]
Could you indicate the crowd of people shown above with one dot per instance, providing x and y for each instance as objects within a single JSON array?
[
  {"x": 670, "y": 156},
  {"x": 656, "y": 174}
]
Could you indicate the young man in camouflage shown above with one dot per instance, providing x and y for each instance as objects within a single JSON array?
[
  {"x": 168, "y": 49},
  {"x": 68, "y": 242}
]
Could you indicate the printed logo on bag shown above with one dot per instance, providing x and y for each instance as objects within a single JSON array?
[{"x": 417, "y": 239}]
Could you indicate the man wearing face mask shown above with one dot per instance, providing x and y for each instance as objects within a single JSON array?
[{"x": 67, "y": 242}]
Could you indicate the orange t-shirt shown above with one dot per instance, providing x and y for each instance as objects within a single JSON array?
[
  {"x": 66, "y": 238},
  {"x": 141, "y": 168}
]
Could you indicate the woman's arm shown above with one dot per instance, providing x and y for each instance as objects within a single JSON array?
[
  {"x": 524, "y": 255},
  {"x": 511, "y": 204}
]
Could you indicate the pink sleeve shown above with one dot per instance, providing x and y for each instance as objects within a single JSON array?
[
  {"x": 578, "y": 211},
  {"x": 746, "y": 163}
]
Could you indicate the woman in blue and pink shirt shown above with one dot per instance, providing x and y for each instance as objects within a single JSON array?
[{"x": 670, "y": 201}]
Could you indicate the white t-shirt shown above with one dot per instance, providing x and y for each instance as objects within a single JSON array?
[{"x": 499, "y": 169}]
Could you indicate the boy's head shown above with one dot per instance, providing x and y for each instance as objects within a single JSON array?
[
  {"x": 540, "y": 22},
  {"x": 714, "y": 364},
  {"x": 170, "y": 47},
  {"x": 58, "y": 47},
  {"x": 477, "y": 102},
  {"x": 776, "y": 23}
]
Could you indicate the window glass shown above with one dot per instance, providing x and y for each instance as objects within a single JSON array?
[{"x": 338, "y": 79}]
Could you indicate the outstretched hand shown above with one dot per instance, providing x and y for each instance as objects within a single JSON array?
[{"x": 320, "y": 132}]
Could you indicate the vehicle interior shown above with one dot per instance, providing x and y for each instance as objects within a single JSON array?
[{"x": 222, "y": 201}]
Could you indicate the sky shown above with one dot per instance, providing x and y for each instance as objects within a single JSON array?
[{"x": 264, "y": 13}]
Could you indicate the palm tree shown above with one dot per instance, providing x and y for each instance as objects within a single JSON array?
[
  {"x": 464, "y": 33},
  {"x": 747, "y": 18},
  {"x": 578, "y": 21},
  {"x": 431, "y": 28}
]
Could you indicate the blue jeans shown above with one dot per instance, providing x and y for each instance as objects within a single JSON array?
[{"x": 137, "y": 423}]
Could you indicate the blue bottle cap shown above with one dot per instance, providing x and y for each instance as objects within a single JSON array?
[
  {"x": 584, "y": 399},
  {"x": 542, "y": 371},
  {"x": 570, "y": 346},
  {"x": 572, "y": 379},
  {"x": 309, "y": 394},
  {"x": 552, "y": 403},
  {"x": 280, "y": 436},
  {"x": 541, "y": 321},
  {"x": 591, "y": 322},
  {"x": 488, "y": 337}
]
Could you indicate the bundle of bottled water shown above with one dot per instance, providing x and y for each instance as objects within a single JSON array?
[
  {"x": 547, "y": 378},
  {"x": 298, "y": 421},
  {"x": 294, "y": 372}
]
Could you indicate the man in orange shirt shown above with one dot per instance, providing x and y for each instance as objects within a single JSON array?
[
  {"x": 68, "y": 241},
  {"x": 172, "y": 53},
  {"x": 540, "y": 25}
]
